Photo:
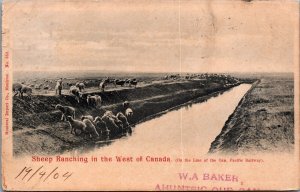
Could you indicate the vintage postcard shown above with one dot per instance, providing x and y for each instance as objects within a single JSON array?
[{"x": 155, "y": 95}]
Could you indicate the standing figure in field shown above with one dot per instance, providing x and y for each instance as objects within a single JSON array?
[
  {"x": 103, "y": 84},
  {"x": 59, "y": 86}
]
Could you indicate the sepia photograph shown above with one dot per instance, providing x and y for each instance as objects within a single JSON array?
[{"x": 150, "y": 95}]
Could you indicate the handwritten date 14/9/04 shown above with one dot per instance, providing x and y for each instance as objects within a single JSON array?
[{"x": 28, "y": 173}]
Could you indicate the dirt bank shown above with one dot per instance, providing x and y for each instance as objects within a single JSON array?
[
  {"x": 262, "y": 122},
  {"x": 37, "y": 128}
]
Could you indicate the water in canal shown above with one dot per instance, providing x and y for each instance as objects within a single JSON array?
[{"x": 188, "y": 131}]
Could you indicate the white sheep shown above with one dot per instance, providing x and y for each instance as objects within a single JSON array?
[
  {"x": 116, "y": 120},
  {"x": 91, "y": 118},
  {"x": 76, "y": 93},
  {"x": 99, "y": 123},
  {"x": 80, "y": 86},
  {"x": 111, "y": 124},
  {"x": 124, "y": 120},
  {"x": 90, "y": 128},
  {"x": 128, "y": 112},
  {"x": 19, "y": 89},
  {"x": 66, "y": 111},
  {"x": 110, "y": 114},
  {"x": 94, "y": 100},
  {"x": 85, "y": 126},
  {"x": 74, "y": 90},
  {"x": 76, "y": 125}
]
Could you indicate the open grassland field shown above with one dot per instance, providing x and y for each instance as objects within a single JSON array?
[
  {"x": 263, "y": 121},
  {"x": 37, "y": 124}
]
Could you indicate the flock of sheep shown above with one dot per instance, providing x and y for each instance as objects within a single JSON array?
[
  {"x": 206, "y": 76},
  {"x": 103, "y": 83},
  {"x": 75, "y": 89},
  {"x": 107, "y": 125}
]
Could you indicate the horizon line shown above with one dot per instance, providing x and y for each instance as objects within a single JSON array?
[{"x": 112, "y": 71}]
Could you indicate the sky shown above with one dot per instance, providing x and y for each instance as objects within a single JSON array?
[{"x": 153, "y": 36}]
